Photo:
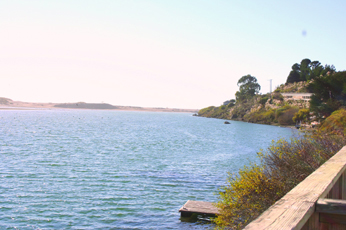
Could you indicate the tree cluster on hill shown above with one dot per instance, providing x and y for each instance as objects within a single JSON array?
[
  {"x": 329, "y": 94},
  {"x": 308, "y": 70}
]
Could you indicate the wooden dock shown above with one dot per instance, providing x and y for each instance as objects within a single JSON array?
[{"x": 198, "y": 207}]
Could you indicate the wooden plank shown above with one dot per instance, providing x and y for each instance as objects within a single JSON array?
[
  {"x": 296, "y": 207},
  {"x": 331, "y": 206},
  {"x": 199, "y": 207},
  {"x": 343, "y": 186},
  {"x": 333, "y": 219},
  {"x": 335, "y": 192},
  {"x": 313, "y": 222}
]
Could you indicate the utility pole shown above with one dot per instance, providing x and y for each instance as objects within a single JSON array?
[{"x": 270, "y": 85}]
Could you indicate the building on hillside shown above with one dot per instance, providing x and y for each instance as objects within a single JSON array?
[
  {"x": 297, "y": 96},
  {"x": 226, "y": 102}
]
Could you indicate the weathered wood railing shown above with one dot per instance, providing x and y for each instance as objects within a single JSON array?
[{"x": 318, "y": 202}]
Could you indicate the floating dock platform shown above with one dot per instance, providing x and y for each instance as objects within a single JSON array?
[{"x": 198, "y": 207}]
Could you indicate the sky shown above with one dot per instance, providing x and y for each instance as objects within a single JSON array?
[{"x": 160, "y": 53}]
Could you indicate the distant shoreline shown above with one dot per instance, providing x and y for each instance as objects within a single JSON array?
[{"x": 8, "y": 104}]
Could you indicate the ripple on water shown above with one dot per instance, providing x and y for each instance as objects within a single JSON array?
[{"x": 116, "y": 170}]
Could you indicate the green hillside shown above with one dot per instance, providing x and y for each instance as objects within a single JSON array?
[{"x": 327, "y": 86}]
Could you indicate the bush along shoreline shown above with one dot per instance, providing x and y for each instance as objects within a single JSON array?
[{"x": 283, "y": 166}]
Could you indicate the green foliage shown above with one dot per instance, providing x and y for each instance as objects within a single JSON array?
[
  {"x": 329, "y": 90},
  {"x": 308, "y": 70},
  {"x": 281, "y": 110},
  {"x": 206, "y": 111},
  {"x": 229, "y": 102},
  {"x": 335, "y": 123},
  {"x": 282, "y": 115},
  {"x": 285, "y": 164},
  {"x": 247, "y": 195},
  {"x": 261, "y": 116},
  {"x": 305, "y": 69},
  {"x": 316, "y": 69},
  {"x": 294, "y": 75},
  {"x": 296, "y": 87},
  {"x": 301, "y": 115},
  {"x": 285, "y": 117},
  {"x": 278, "y": 96},
  {"x": 248, "y": 87},
  {"x": 263, "y": 100},
  {"x": 221, "y": 112},
  {"x": 329, "y": 93},
  {"x": 242, "y": 108}
]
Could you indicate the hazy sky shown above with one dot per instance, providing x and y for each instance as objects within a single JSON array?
[{"x": 160, "y": 53}]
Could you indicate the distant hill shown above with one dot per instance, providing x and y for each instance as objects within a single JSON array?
[
  {"x": 6, "y": 103},
  {"x": 83, "y": 105}
]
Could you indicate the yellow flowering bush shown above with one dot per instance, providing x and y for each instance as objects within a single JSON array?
[
  {"x": 247, "y": 195},
  {"x": 285, "y": 164}
]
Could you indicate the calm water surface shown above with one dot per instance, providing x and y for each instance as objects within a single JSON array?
[{"x": 80, "y": 169}]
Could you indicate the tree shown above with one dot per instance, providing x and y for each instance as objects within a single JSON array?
[
  {"x": 248, "y": 87},
  {"x": 315, "y": 70},
  {"x": 328, "y": 69},
  {"x": 308, "y": 70},
  {"x": 305, "y": 69},
  {"x": 294, "y": 75},
  {"x": 329, "y": 93}
]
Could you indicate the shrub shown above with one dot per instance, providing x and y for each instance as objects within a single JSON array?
[
  {"x": 263, "y": 100},
  {"x": 247, "y": 195},
  {"x": 240, "y": 110},
  {"x": 261, "y": 116},
  {"x": 278, "y": 96},
  {"x": 285, "y": 164},
  {"x": 206, "y": 111},
  {"x": 336, "y": 122},
  {"x": 284, "y": 115},
  {"x": 301, "y": 115},
  {"x": 216, "y": 112},
  {"x": 286, "y": 118}
]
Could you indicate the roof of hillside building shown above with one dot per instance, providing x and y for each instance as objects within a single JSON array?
[{"x": 296, "y": 94}]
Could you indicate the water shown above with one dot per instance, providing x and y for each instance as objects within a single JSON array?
[{"x": 82, "y": 169}]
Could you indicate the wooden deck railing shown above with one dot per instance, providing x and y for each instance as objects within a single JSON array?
[{"x": 318, "y": 202}]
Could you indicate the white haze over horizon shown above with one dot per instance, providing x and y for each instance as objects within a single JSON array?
[{"x": 160, "y": 53}]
